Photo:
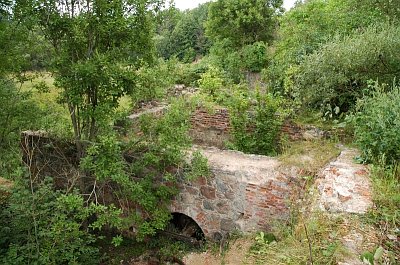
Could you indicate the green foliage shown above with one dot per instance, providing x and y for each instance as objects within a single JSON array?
[
  {"x": 336, "y": 75},
  {"x": 311, "y": 24},
  {"x": 96, "y": 48},
  {"x": 240, "y": 31},
  {"x": 199, "y": 167},
  {"x": 153, "y": 82},
  {"x": 189, "y": 74},
  {"x": 17, "y": 112},
  {"x": 386, "y": 213},
  {"x": 43, "y": 226},
  {"x": 256, "y": 129},
  {"x": 254, "y": 56},
  {"x": 211, "y": 82},
  {"x": 291, "y": 246},
  {"x": 236, "y": 62},
  {"x": 182, "y": 34},
  {"x": 376, "y": 124},
  {"x": 227, "y": 58},
  {"x": 371, "y": 259},
  {"x": 386, "y": 184},
  {"x": 157, "y": 161},
  {"x": 242, "y": 21}
]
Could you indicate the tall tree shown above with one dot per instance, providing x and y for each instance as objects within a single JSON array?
[
  {"x": 97, "y": 44},
  {"x": 183, "y": 33},
  {"x": 243, "y": 21}
]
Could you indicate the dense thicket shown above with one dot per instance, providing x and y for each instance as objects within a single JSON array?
[
  {"x": 101, "y": 51},
  {"x": 243, "y": 22},
  {"x": 182, "y": 34},
  {"x": 376, "y": 122},
  {"x": 303, "y": 29},
  {"x": 337, "y": 74}
]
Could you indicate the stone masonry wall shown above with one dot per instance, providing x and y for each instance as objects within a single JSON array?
[{"x": 246, "y": 193}]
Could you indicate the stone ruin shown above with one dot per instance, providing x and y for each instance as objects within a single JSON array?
[{"x": 245, "y": 192}]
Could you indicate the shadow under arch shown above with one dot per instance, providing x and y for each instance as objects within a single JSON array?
[{"x": 186, "y": 226}]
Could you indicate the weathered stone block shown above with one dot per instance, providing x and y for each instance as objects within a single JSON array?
[
  {"x": 228, "y": 225},
  {"x": 208, "y": 205},
  {"x": 208, "y": 192}
]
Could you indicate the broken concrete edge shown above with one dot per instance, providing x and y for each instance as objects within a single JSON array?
[
  {"x": 344, "y": 186},
  {"x": 343, "y": 189}
]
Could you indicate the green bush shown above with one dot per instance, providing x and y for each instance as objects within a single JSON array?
[
  {"x": 311, "y": 24},
  {"x": 254, "y": 56},
  {"x": 41, "y": 226},
  {"x": 377, "y": 125},
  {"x": 333, "y": 78},
  {"x": 189, "y": 74},
  {"x": 153, "y": 82},
  {"x": 256, "y": 129},
  {"x": 211, "y": 82},
  {"x": 236, "y": 62}
]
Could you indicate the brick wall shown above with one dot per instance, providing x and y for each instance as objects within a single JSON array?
[
  {"x": 212, "y": 127},
  {"x": 218, "y": 119}
]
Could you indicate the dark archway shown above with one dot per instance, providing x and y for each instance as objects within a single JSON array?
[{"x": 185, "y": 226}]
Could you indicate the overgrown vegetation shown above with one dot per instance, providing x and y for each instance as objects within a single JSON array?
[
  {"x": 376, "y": 124},
  {"x": 338, "y": 73},
  {"x": 76, "y": 69},
  {"x": 292, "y": 245},
  {"x": 256, "y": 129},
  {"x": 386, "y": 215}
]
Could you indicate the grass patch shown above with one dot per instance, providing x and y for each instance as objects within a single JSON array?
[
  {"x": 386, "y": 214},
  {"x": 314, "y": 118},
  {"x": 54, "y": 117},
  {"x": 310, "y": 156},
  {"x": 292, "y": 245}
]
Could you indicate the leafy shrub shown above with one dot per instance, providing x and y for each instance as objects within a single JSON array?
[
  {"x": 18, "y": 111},
  {"x": 189, "y": 74},
  {"x": 335, "y": 76},
  {"x": 256, "y": 129},
  {"x": 42, "y": 226},
  {"x": 157, "y": 156},
  {"x": 154, "y": 81},
  {"x": 211, "y": 82},
  {"x": 236, "y": 62},
  {"x": 254, "y": 56},
  {"x": 377, "y": 125},
  {"x": 311, "y": 24}
]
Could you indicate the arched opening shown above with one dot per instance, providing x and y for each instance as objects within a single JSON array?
[{"x": 183, "y": 226}]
